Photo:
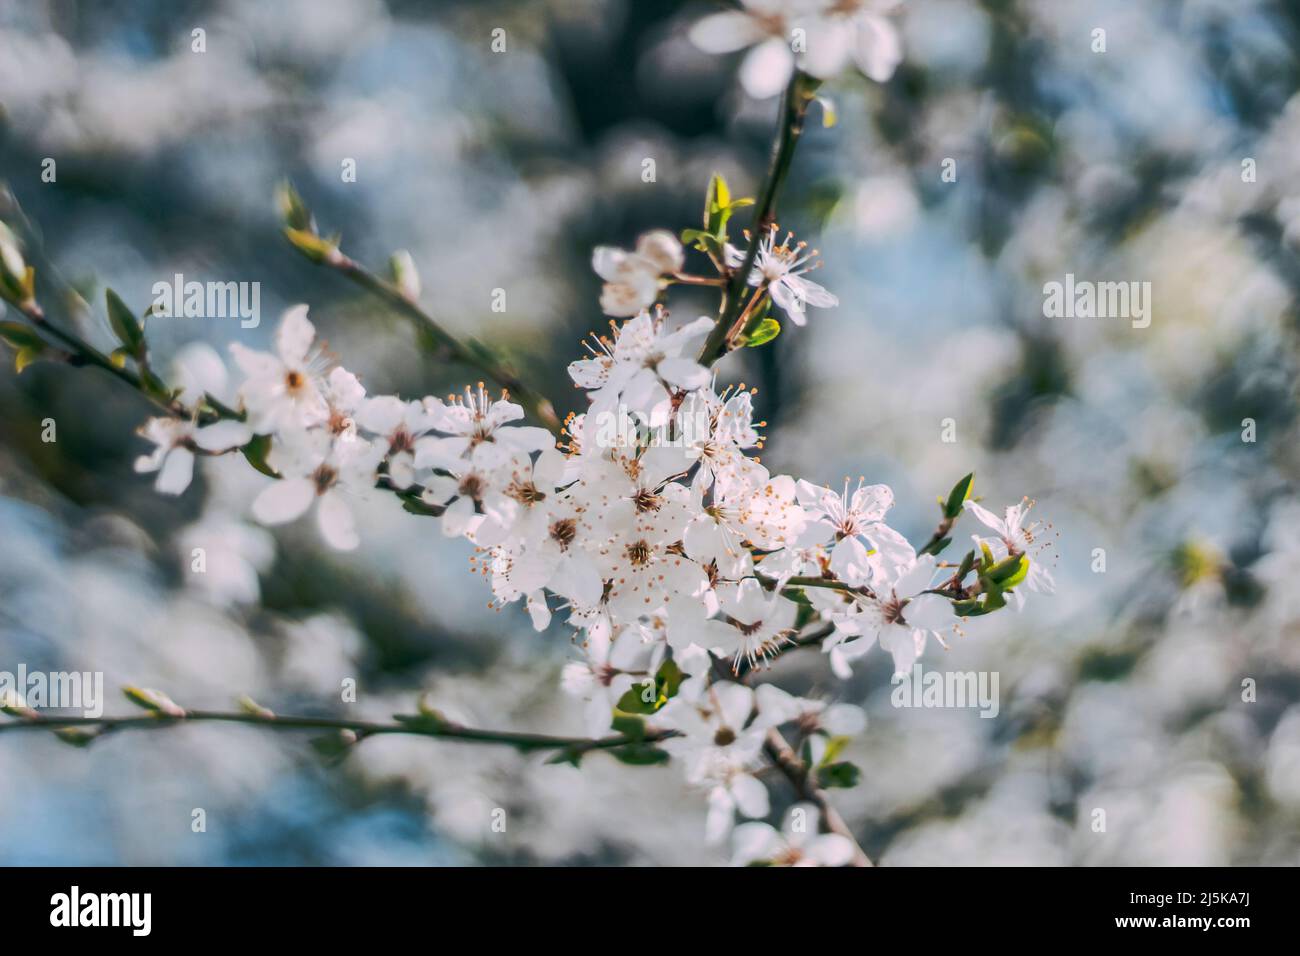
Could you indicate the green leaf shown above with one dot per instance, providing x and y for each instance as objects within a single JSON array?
[
  {"x": 1012, "y": 566},
  {"x": 936, "y": 547},
  {"x": 648, "y": 697},
  {"x": 125, "y": 325},
  {"x": 569, "y": 755},
  {"x": 293, "y": 211},
  {"x": 256, "y": 451},
  {"x": 843, "y": 774},
  {"x": 632, "y": 728},
  {"x": 640, "y": 755},
  {"x": 21, "y": 336},
  {"x": 967, "y": 563},
  {"x": 957, "y": 497},
  {"x": 77, "y": 736},
  {"x": 767, "y": 330},
  {"x": 834, "y": 747},
  {"x": 333, "y": 747}
]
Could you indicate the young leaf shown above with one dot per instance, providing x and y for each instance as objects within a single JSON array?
[
  {"x": 843, "y": 774},
  {"x": 20, "y": 336},
  {"x": 957, "y": 497},
  {"x": 125, "y": 325},
  {"x": 256, "y": 451},
  {"x": 767, "y": 330}
]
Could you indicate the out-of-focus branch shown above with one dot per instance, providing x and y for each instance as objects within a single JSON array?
[
  {"x": 471, "y": 353},
  {"x": 422, "y": 725}
]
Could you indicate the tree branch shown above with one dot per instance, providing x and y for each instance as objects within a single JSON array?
[
  {"x": 419, "y": 725},
  {"x": 780, "y": 753},
  {"x": 471, "y": 353}
]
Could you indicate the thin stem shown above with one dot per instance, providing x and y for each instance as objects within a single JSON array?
[
  {"x": 681, "y": 279},
  {"x": 418, "y": 726},
  {"x": 798, "y": 94},
  {"x": 470, "y": 353}
]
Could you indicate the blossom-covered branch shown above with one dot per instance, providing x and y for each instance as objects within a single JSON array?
[{"x": 682, "y": 564}]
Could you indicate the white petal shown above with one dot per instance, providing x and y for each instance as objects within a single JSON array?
[
  {"x": 284, "y": 500},
  {"x": 766, "y": 68},
  {"x": 294, "y": 336},
  {"x": 750, "y": 795},
  {"x": 224, "y": 435},
  {"x": 685, "y": 373},
  {"x": 176, "y": 473},
  {"x": 382, "y": 414},
  {"x": 754, "y": 843},
  {"x": 725, "y": 32},
  {"x": 337, "y": 526},
  {"x": 721, "y": 816},
  {"x": 829, "y": 849},
  {"x": 986, "y": 516},
  {"x": 878, "y": 49},
  {"x": 829, "y": 43},
  {"x": 735, "y": 701}
]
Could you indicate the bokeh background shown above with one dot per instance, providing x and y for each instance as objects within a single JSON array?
[{"x": 1123, "y": 692}]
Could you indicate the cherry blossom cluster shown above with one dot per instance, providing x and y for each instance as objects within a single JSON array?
[{"x": 678, "y": 559}]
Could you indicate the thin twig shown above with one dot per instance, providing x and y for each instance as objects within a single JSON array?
[
  {"x": 420, "y": 726},
  {"x": 798, "y": 94},
  {"x": 471, "y": 353}
]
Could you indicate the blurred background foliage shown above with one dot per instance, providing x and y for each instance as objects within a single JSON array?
[{"x": 1122, "y": 693}]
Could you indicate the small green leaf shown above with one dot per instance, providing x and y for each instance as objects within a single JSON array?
[
  {"x": 843, "y": 774},
  {"x": 293, "y": 211},
  {"x": 834, "y": 747},
  {"x": 1015, "y": 565},
  {"x": 648, "y": 696},
  {"x": 640, "y": 755},
  {"x": 936, "y": 547},
  {"x": 125, "y": 325},
  {"x": 966, "y": 564},
  {"x": 21, "y": 336},
  {"x": 256, "y": 451},
  {"x": 77, "y": 736},
  {"x": 333, "y": 747},
  {"x": 767, "y": 330},
  {"x": 569, "y": 755},
  {"x": 957, "y": 497},
  {"x": 633, "y": 728}
]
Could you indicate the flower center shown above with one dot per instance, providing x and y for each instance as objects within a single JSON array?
[
  {"x": 324, "y": 477},
  {"x": 724, "y": 737},
  {"x": 471, "y": 486},
  {"x": 638, "y": 554},
  {"x": 563, "y": 532},
  {"x": 647, "y": 501}
]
